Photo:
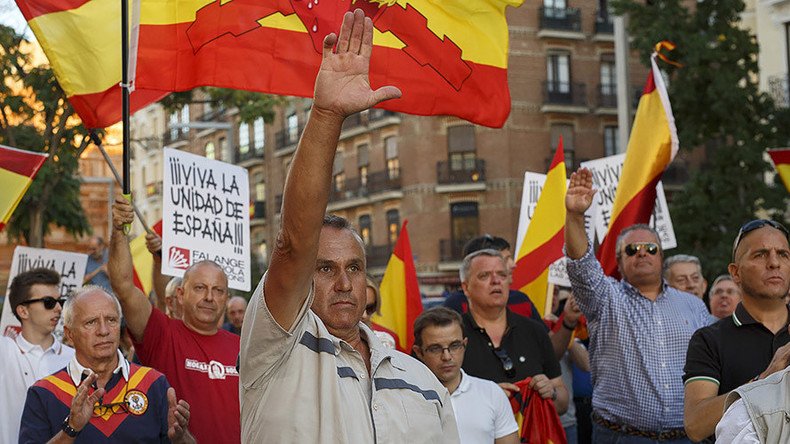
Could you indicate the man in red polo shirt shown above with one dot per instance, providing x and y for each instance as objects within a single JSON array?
[{"x": 198, "y": 358}]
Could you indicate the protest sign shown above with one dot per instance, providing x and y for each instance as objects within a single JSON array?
[
  {"x": 205, "y": 216},
  {"x": 71, "y": 267},
  {"x": 558, "y": 273}
]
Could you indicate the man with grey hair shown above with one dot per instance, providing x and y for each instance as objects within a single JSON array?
[
  {"x": 173, "y": 307},
  {"x": 101, "y": 395},
  {"x": 684, "y": 272},
  {"x": 639, "y": 328},
  {"x": 724, "y": 297},
  {"x": 237, "y": 305}
]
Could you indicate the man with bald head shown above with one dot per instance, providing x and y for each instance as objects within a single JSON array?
[
  {"x": 237, "y": 305},
  {"x": 198, "y": 357},
  {"x": 100, "y": 396}
]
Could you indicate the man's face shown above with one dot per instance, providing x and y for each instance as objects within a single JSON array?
[
  {"x": 95, "y": 329},
  {"x": 486, "y": 284},
  {"x": 339, "y": 280},
  {"x": 95, "y": 249},
  {"x": 35, "y": 316},
  {"x": 686, "y": 276},
  {"x": 762, "y": 264},
  {"x": 236, "y": 309},
  {"x": 203, "y": 295},
  {"x": 445, "y": 365},
  {"x": 724, "y": 297},
  {"x": 642, "y": 268}
]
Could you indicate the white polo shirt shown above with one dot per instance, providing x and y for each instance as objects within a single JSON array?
[
  {"x": 482, "y": 411},
  {"x": 22, "y": 364}
]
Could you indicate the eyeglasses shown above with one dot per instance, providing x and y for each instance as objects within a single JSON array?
[
  {"x": 49, "y": 302},
  {"x": 116, "y": 407},
  {"x": 507, "y": 363},
  {"x": 750, "y": 226},
  {"x": 438, "y": 350},
  {"x": 650, "y": 247}
]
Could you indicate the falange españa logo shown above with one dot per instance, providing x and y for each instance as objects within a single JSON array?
[{"x": 215, "y": 369}]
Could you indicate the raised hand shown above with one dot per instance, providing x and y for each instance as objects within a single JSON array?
[
  {"x": 83, "y": 402},
  {"x": 153, "y": 242},
  {"x": 122, "y": 213},
  {"x": 342, "y": 87},
  {"x": 580, "y": 192},
  {"x": 177, "y": 419}
]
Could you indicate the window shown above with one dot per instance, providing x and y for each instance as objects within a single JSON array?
[
  {"x": 338, "y": 173},
  {"x": 263, "y": 252},
  {"x": 464, "y": 223},
  {"x": 393, "y": 226},
  {"x": 172, "y": 122},
  {"x": 258, "y": 135},
  {"x": 554, "y": 8},
  {"x": 185, "y": 119},
  {"x": 566, "y": 131},
  {"x": 391, "y": 155},
  {"x": 210, "y": 152},
  {"x": 224, "y": 150},
  {"x": 362, "y": 164},
  {"x": 244, "y": 138},
  {"x": 610, "y": 142},
  {"x": 292, "y": 125},
  {"x": 364, "y": 229},
  {"x": 558, "y": 73},
  {"x": 608, "y": 76},
  {"x": 259, "y": 186},
  {"x": 461, "y": 147}
]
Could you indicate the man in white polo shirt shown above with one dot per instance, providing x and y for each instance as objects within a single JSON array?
[
  {"x": 34, "y": 353},
  {"x": 482, "y": 411}
]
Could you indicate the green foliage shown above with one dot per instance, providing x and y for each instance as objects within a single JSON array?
[
  {"x": 251, "y": 105},
  {"x": 717, "y": 104}
]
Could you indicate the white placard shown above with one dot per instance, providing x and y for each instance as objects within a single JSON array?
[
  {"x": 205, "y": 216},
  {"x": 558, "y": 273},
  {"x": 71, "y": 267}
]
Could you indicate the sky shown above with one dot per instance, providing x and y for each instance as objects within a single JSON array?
[{"x": 11, "y": 16}]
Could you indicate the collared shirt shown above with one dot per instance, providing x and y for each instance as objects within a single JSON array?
[
  {"x": 525, "y": 342},
  {"x": 306, "y": 385},
  {"x": 22, "y": 364},
  {"x": 101, "y": 279},
  {"x": 736, "y": 426},
  {"x": 482, "y": 411},
  {"x": 78, "y": 372},
  {"x": 732, "y": 351},
  {"x": 637, "y": 346}
]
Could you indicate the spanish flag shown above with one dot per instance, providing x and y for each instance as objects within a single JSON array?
[
  {"x": 17, "y": 170},
  {"x": 651, "y": 147},
  {"x": 143, "y": 262},
  {"x": 401, "y": 302},
  {"x": 542, "y": 245},
  {"x": 781, "y": 159}
]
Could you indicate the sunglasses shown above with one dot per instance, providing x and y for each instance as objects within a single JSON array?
[
  {"x": 750, "y": 226},
  {"x": 49, "y": 302},
  {"x": 649, "y": 247},
  {"x": 507, "y": 363}
]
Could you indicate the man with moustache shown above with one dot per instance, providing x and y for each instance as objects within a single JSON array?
[
  {"x": 198, "y": 358},
  {"x": 750, "y": 344},
  {"x": 724, "y": 296},
  {"x": 311, "y": 371},
  {"x": 684, "y": 272}
]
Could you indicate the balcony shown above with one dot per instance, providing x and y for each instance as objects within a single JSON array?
[
  {"x": 607, "y": 96},
  {"x": 153, "y": 189},
  {"x": 258, "y": 210},
  {"x": 250, "y": 158},
  {"x": 176, "y": 135},
  {"x": 354, "y": 187},
  {"x": 212, "y": 115},
  {"x": 604, "y": 24},
  {"x": 560, "y": 23},
  {"x": 778, "y": 89},
  {"x": 448, "y": 174},
  {"x": 373, "y": 118},
  {"x": 451, "y": 250},
  {"x": 564, "y": 97},
  {"x": 285, "y": 140},
  {"x": 378, "y": 255}
]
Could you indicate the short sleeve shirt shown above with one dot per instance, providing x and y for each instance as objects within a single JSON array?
[{"x": 482, "y": 411}]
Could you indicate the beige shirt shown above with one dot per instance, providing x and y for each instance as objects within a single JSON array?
[{"x": 305, "y": 385}]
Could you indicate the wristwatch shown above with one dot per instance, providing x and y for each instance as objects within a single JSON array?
[{"x": 67, "y": 429}]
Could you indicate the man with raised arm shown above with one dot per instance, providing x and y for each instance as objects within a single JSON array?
[{"x": 310, "y": 370}]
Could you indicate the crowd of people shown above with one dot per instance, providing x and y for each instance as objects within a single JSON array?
[{"x": 303, "y": 362}]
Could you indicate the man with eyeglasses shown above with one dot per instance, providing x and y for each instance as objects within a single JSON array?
[
  {"x": 99, "y": 396},
  {"x": 639, "y": 329},
  {"x": 724, "y": 297},
  {"x": 482, "y": 411},
  {"x": 684, "y": 272},
  {"x": 35, "y": 352},
  {"x": 750, "y": 344}
]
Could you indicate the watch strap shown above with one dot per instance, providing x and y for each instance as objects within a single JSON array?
[{"x": 69, "y": 430}]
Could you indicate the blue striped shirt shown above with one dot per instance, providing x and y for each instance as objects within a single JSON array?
[{"x": 637, "y": 346}]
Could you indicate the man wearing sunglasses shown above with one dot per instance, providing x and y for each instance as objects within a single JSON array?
[
  {"x": 99, "y": 396},
  {"x": 34, "y": 353},
  {"x": 639, "y": 329},
  {"x": 750, "y": 344}
]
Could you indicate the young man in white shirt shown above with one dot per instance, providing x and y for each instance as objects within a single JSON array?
[
  {"x": 482, "y": 410},
  {"x": 35, "y": 352}
]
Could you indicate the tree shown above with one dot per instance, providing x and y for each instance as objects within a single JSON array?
[
  {"x": 251, "y": 105},
  {"x": 717, "y": 105},
  {"x": 36, "y": 116}
]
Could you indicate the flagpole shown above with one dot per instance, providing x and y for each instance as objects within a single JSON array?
[{"x": 126, "y": 189}]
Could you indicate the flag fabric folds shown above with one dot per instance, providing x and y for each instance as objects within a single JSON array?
[
  {"x": 781, "y": 159},
  {"x": 17, "y": 170},
  {"x": 401, "y": 301},
  {"x": 537, "y": 419},
  {"x": 651, "y": 147},
  {"x": 542, "y": 244},
  {"x": 143, "y": 261}
]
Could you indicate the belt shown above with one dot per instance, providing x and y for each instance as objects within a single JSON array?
[{"x": 666, "y": 435}]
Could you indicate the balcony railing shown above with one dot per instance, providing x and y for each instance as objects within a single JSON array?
[
  {"x": 365, "y": 118},
  {"x": 377, "y": 182},
  {"x": 287, "y": 137},
  {"x": 560, "y": 19},
  {"x": 564, "y": 93},
  {"x": 451, "y": 250},
  {"x": 607, "y": 96},
  {"x": 213, "y": 114},
  {"x": 778, "y": 89},
  {"x": 171, "y": 136},
  {"x": 249, "y": 155},
  {"x": 604, "y": 25},
  {"x": 378, "y": 255},
  {"x": 447, "y": 173},
  {"x": 259, "y": 210}
]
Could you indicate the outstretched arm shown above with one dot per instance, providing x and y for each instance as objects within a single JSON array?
[
  {"x": 341, "y": 89},
  {"x": 154, "y": 245},
  {"x": 577, "y": 200}
]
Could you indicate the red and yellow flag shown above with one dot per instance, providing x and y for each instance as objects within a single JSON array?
[
  {"x": 143, "y": 262},
  {"x": 781, "y": 159},
  {"x": 17, "y": 170},
  {"x": 651, "y": 147},
  {"x": 542, "y": 244},
  {"x": 401, "y": 302}
]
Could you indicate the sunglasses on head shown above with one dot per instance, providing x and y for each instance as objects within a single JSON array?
[
  {"x": 507, "y": 363},
  {"x": 49, "y": 302},
  {"x": 649, "y": 247},
  {"x": 750, "y": 226}
]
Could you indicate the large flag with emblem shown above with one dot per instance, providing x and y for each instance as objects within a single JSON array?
[
  {"x": 17, "y": 170},
  {"x": 651, "y": 147}
]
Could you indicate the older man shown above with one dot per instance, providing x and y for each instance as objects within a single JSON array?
[
  {"x": 99, "y": 396},
  {"x": 724, "y": 296},
  {"x": 684, "y": 272},
  {"x": 311, "y": 371},
  {"x": 237, "y": 305},
  {"x": 482, "y": 411},
  {"x": 639, "y": 329},
  {"x": 34, "y": 353},
  {"x": 197, "y": 356},
  {"x": 753, "y": 342},
  {"x": 96, "y": 267}
]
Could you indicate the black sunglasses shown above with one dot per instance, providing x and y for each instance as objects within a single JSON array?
[
  {"x": 49, "y": 302},
  {"x": 750, "y": 226},
  {"x": 507, "y": 363},
  {"x": 650, "y": 247}
]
